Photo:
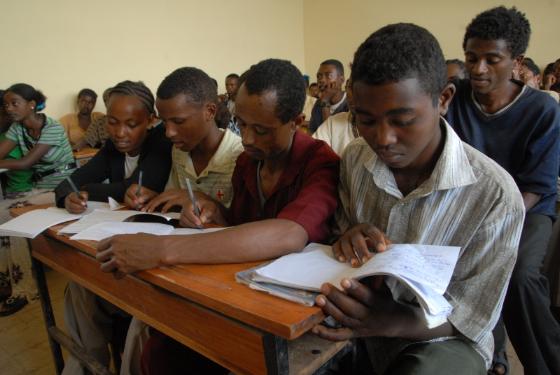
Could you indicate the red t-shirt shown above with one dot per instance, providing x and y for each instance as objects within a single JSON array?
[{"x": 306, "y": 192}]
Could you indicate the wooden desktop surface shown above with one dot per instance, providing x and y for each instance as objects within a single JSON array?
[
  {"x": 201, "y": 306},
  {"x": 85, "y": 153}
]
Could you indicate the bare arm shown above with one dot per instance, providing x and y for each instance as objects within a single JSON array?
[
  {"x": 244, "y": 243},
  {"x": 6, "y": 146},
  {"x": 530, "y": 200},
  {"x": 30, "y": 159}
]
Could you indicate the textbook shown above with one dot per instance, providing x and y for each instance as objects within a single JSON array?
[
  {"x": 424, "y": 270},
  {"x": 103, "y": 216}
]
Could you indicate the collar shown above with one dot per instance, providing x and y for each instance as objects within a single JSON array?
[
  {"x": 452, "y": 170},
  {"x": 335, "y": 106}
]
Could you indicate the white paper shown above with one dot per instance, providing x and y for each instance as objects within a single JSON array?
[
  {"x": 189, "y": 231},
  {"x": 100, "y": 231},
  {"x": 32, "y": 223},
  {"x": 114, "y": 205}
]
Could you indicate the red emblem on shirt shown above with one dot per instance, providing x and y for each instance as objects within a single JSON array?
[{"x": 220, "y": 194}]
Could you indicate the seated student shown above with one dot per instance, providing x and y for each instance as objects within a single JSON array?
[
  {"x": 530, "y": 74},
  {"x": 455, "y": 69},
  {"x": 46, "y": 152},
  {"x": 96, "y": 134},
  {"x": 519, "y": 128},
  {"x": 339, "y": 129},
  {"x": 76, "y": 124},
  {"x": 284, "y": 188},
  {"x": 132, "y": 148},
  {"x": 410, "y": 179},
  {"x": 548, "y": 77},
  {"x": 18, "y": 182},
  {"x": 203, "y": 153},
  {"x": 332, "y": 100}
]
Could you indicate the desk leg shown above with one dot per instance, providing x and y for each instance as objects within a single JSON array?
[
  {"x": 276, "y": 355},
  {"x": 48, "y": 315}
]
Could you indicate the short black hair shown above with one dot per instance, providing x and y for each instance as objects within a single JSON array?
[
  {"x": 137, "y": 89},
  {"x": 530, "y": 64},
  {"x": 232, "y": 75},
  {"x": 87, "y": 92},
  {"x": 29, "y": 93},
  {"x": 549, "y": 69},
  {"x": 194, "y": 83},
  {"x": 460, "y": 64},
  {"x": 507, "y": 24},
  {"x": 313, "y": 84},
  {"x": 337, "y": 64},
  {"x": 401, "y": 51},
  {"x": 1, "y": 99},
  {"x": 281, "y": 77}
]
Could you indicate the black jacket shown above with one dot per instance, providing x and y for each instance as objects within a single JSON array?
[{"x": 108, "y": 163}]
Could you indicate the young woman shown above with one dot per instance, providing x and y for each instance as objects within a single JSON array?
[
  {"x": 133, "y": 146},
  {"x": 44, "y": 150}
]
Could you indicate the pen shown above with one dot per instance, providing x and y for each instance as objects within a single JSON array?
[
  {"x": 193, "y": 199},
  {"x": 74, "y": 188},
  {"x": 139, "y": 183}
]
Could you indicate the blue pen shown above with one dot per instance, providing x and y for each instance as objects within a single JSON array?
[{"x": 74, "y": 188}]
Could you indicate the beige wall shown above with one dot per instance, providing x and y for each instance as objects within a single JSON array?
[
  {"x": 61, "y": 46},
  {"x": 335, "y": 29}
]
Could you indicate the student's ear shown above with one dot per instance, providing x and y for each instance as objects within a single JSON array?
[
  {"x": 517, "y": 63},
  {"x": 298, "y": 121},
  {"x": 210, "y": 109},
  {"x": 445, "y": 97}
]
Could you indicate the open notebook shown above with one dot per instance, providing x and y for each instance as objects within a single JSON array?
[{"x": 423, "y": 269}]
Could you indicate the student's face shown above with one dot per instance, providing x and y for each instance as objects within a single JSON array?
[
  {"x": 529, "y": 78},
  {"x": 127, "y": 123},
  {"x": 86, "y": 104},
  {"x": 314, "y": 91},
  {"x": 454, "y": 71},
  {"x": 326, "y": 75},
  {"x": 17, "y": 108},
  {"x": 187, "y": 124},
  {"x": 399, "y": 121},
  {"x": 489, "y": 64},
  {"x": 232, "y": 86},
  {"x": 263, "y": 135}
]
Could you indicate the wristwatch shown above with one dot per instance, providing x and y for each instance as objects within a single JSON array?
[{"x": 324, "y": 104}]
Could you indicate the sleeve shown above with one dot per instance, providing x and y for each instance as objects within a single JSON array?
[
  {"x": 316, "y": 202},
  {"x": 52, "y": 134},
  {"x": 89, "y": 178},
  {"x": 479, "y": 283},
  {"x": 92, "y": 133},
  {"x": 12, "y": 133},
  {"x": 539, "y": 172},
  {"x": 323, "y": 132},
  {"x": 342, "y": 216}
]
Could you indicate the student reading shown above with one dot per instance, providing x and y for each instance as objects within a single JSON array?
[{"x": 410, "y": 179}]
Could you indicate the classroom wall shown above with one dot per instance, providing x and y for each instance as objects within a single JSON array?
[
  {"x": 335, "y": 29},
  {"x": 61, "y": 46}
]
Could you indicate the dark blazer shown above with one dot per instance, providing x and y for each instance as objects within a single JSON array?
[{"x": 108, "y": 163}]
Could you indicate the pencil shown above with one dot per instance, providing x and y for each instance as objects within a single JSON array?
[{"x": 74, "y": 188}]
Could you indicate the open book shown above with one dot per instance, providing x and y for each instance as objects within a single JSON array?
[{"x": 423, "y": 269}]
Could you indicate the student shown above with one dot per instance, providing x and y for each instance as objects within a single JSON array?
[
  {"x": 455, "y": 69},
  {"x": 330, "y": 78},
  {"x": 203, "y": 153},
  {"x": 18, "y": 182},
  {"x": 519, "y": 128},
  {"x": 548, "y": 78},
  {"x": 132, "y": 148},
  {"x": 76, "y": 124},
  {"x": 410, "y": 179},
  {"x": 284, "y": 187},
  {"x": 45, "y": 152},
  {"x": 339, "y": 129},
  {"x": 96, "y": 134}
]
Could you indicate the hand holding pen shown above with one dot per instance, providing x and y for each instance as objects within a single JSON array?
[
  {"x": 194, "y": 203},
  {"x": 138, "y": 195},
  {"x": 75, "y": 202}
]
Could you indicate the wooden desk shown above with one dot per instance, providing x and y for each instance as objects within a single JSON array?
[
  {"x": 201, "y": 306},
  {"x": 84, "y": 155}
]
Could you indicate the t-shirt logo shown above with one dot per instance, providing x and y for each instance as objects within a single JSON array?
[{"x": 220, "y": 194}]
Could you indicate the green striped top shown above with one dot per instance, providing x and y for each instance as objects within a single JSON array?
[{"x": 58, "y": 156}]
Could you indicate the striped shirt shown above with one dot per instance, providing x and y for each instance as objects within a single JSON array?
[
  {"x": 468, "y": 201},
  {"x": 215, "y": 179},
  {"x": 58, "y": 156}
]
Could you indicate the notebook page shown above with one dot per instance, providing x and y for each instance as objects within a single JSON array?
[{"x": 100, "y": 231}]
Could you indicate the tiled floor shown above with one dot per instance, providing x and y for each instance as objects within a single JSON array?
[{"x": 24, "y": 348}]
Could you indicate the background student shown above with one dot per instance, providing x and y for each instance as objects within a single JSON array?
[
  {"x": 76, "y": 124},
  {"x": 133, "y": 147}
]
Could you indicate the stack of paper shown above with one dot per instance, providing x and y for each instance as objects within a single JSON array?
[
  {"x": 32, "y": 223},
  {"x": 425, "y": 270}
]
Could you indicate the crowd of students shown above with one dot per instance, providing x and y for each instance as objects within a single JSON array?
[{"x": 416, "y": 149}]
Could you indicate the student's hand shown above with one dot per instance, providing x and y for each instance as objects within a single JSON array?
[
  {"x": 354, "y": 245},
  {"x": 127, "y": 253},
  {"x": 76, "y": 204},
  {"x": 208, "y": 208},
  {"x": 362, "y": 311},
  {"x": 169, "y": 198},
  {"x": 137, "y": 201}
]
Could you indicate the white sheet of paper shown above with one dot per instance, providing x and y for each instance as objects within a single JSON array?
[
  {"x": 32, "y": 223},
  {"x": 189, "y": 231},
  {"x": 103, "y": 230},
  {"x": 114, "y": 205}
]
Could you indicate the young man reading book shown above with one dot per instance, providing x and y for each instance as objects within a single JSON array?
[
  {"x": 410, "y": 179},
  {"x": 284, "y": 196}
]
